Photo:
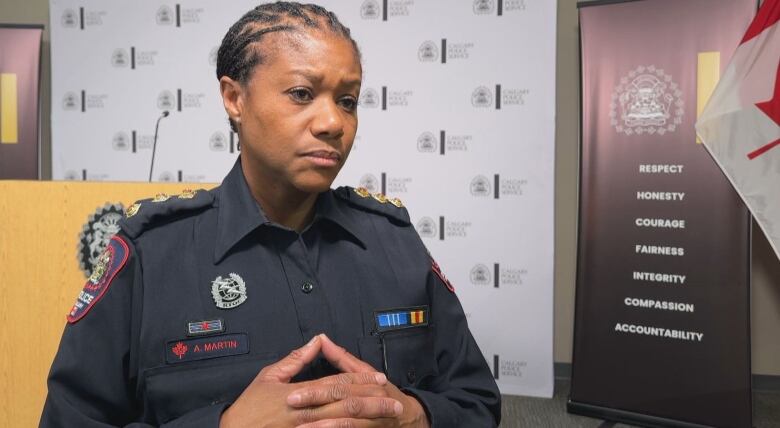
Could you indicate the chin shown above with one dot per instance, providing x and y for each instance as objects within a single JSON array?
[{"x": 315, "y": 183}]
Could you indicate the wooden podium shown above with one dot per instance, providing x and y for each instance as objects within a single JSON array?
[{"x": 40, "y": 277}]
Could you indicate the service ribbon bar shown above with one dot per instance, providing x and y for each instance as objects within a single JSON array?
[{"x": 396, "y": 319}]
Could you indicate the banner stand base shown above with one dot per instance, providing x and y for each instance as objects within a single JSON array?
[{"x": 616, "y": 415}]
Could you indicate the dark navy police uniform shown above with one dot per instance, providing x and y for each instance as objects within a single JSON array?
[{"x": 199, "y": 292}]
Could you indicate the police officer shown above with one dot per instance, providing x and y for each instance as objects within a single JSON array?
[{"x": 273, "y": 300}]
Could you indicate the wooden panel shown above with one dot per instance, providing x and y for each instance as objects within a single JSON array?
[{"x": 40, "y": 223}]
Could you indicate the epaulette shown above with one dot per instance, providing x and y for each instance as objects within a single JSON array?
[
  {"x": 375, "y": 202},
  {"x": 145, "y": 213}
]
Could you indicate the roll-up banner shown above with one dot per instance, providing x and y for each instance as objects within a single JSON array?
[
  {"x": 662, "y": 335},
  {"x": 20, "y": 57}
]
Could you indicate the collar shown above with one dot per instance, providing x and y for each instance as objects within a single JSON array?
[
  {"x": 331, "y": 208},
  {"x": 239, "y": 213}
]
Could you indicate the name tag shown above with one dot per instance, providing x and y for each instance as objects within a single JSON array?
[{"x": 201, "y": 348}]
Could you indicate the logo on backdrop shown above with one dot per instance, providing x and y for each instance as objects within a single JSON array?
[
  {"x": 165, "y": 15},
  {"x": 82, "y": 18},
  {"x": 218, "y": 142},
  {"x": 75, "y": 101},
  {"x": 428, "y": 52},
  {"x": 480, "y": 186},
  {"x": 95, "y": 234},
  {"x": 480, "y": 275},
  {"x": 487, "y": 7},
  {"x": 165, "y": 177},
  {"x": 369, "y": 98},
  {"x": 482, "y": 97},
  {"x": 427, "y": 143},
  {"x": 370, "y": 182},
  {"x": 647, "y": 101},
  {"x": 120, "y": 142},
  {"x": 69, "y": 19},
  {"x": 370, "y": 10},
  {"x": 70, "y": 101},
  {"x": 180, "y": 100},
  {"x": 120, "y": 58},
  {"x": 426, "y": 228},
  {"x": 483, "y": 7},
  {"x": 166, "y": 100},
  {"x": 499, "y": 275}
]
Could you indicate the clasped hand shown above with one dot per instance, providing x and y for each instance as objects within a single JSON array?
[{"x": 358, "y": 397}]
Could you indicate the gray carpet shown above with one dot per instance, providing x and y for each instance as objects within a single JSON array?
[{"x": 528, "y": 412}]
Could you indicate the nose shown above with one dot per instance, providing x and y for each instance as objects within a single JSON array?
[{"x": 328, "y": 122}]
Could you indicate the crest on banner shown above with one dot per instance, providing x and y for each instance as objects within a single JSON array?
[{"x": 647, "y": 101}]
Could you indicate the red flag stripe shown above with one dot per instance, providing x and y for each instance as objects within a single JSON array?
[
  {"x": 763, "y": 149},
  {"x": 767, "y": 15}
]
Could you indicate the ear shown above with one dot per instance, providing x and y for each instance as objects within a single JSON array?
[{"x": 232, "y": 98}]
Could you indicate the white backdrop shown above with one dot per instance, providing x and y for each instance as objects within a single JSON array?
[{"x": 457, "y": 119}]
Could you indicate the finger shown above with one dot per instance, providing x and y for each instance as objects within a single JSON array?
[
  {"x": 342, "y": 359},
  {"x": 317, "y": 395},
  {"x": 346, "y": 423},
  {"x": 365, "y": 378},
  {"x": 284, "y": 370},
  {"x": 352, "y": 408}
]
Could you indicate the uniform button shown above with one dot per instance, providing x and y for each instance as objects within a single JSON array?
[
  {"x": 411, "y": 375},
  {"x": 307, "y": 287}
]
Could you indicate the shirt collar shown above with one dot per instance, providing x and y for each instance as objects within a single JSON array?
[
  {"x": 331, "y": 208},
  {"x": 239, "y": 213}
]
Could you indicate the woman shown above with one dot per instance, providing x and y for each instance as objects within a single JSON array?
[{"x": 198, "y": 311}]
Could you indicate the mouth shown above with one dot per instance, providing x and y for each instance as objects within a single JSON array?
[{"x": 326, "y": 158}]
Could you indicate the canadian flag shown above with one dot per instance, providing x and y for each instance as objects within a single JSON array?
[{"x": 740, "y": 125}]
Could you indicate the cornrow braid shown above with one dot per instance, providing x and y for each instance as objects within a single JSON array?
[{"x": 239, "y": 52}]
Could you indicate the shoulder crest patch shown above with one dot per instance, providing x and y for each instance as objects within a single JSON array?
[
  {"x": 437, "y": 270},
  {"x": 107, "y": 267}
]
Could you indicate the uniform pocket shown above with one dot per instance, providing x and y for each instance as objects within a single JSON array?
[
  {"x": 172, "y": 391},
  {"x": 406, "y": 356}
]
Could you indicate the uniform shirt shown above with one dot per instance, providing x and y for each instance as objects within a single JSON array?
[{"x": 147, "y": 345}]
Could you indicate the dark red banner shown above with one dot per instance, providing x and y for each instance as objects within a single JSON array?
[
  {"x": 20, "y": 56},
  {"x": 662, "y": 316}
]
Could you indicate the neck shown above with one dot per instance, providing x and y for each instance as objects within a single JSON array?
[{"x": 283, "y": 205}]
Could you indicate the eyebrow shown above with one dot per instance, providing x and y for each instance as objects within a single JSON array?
[{"x": 317, "y": 78}]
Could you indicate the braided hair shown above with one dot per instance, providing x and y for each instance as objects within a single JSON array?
[{"x": 237, "y": 57}]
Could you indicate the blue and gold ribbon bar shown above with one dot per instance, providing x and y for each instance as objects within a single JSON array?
[{"x": 401, "y": 318}]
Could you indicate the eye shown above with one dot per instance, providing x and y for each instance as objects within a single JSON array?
[
  {"x": 300, "y": 95},
  {"x": 348, "y": 103}
]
